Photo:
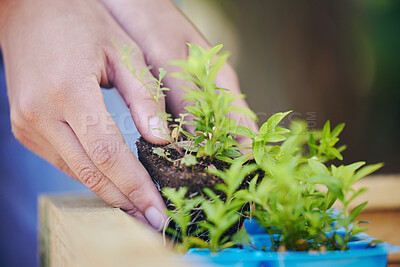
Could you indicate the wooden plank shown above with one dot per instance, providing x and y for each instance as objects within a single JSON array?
[{"x": 82, "y": 230}]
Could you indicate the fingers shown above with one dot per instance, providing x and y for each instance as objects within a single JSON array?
[
  {"x": 171, "y": 31},
  {"x": 143, "y": 100},
  {"x": 87, "y": 173},
  {"x": 84, "y": 170},
  {"x": 106, "y": 149},
  {"x": 73, "y": 160}
]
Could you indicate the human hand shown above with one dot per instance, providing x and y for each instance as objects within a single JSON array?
[
  {"x": 57, "y": 109},
  {"x": 162, "y": 31},
  {"x": 57, "y": 54}
]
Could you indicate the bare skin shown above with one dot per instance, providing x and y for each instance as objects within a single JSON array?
[{"x": 58, "y": 54}]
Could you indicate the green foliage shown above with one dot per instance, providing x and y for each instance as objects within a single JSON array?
[
  {"x": 348, "y": 175},
  {"x": 162, "y": 153},
  {"x": 232, "y": 177},
  {"x": 182, "y": 216},
  {"x": 241, "y": 237},
  {"x": 326, "y": 149},
  {"x": 285, "y": 176},
  {"x": 211, "y": 104},
  {"x": 269, "y": 133},
  {"x": 189, "y": 160},
  {"x": 293, "y": 200},
  {"x": 289, "y": 201},
  {"x": 221, "y": 216}
]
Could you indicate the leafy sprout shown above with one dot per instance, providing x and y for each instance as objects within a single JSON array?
[
  {"x": 233, "y": 177},
  {"x": 221, "y": 216},
  {"x": 189, "y": 160},
  {"x": 182, "y": 216},
  {"x": 155, "y": 88},
  {"x": 211, "y": 104},
  {"x": 269, "y": 132},
  {"x": 326, "y": 149}
]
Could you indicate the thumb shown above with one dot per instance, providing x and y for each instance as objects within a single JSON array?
[{"x": 141, "y": 92}]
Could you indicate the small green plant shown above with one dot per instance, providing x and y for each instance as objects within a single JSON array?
[
  {"x": 269, "y": 133},
  {"x": 285, "y": 177},
  {"x": 233, "y": 177},
  {"x": 213, "y": 129},
  {"x": 182, "y": 216},
  {"x": 326, "y": 149},
  {"x": 211, "y": 104},
  {"x": 156, "y": 90},
  {"x": 189, "y": 160},
  {"x": 290, "y": 206},
  {"x": 289, "y": 201},
  {"x": 349, "y": 175},
  {"x": 221, "y": 213}
]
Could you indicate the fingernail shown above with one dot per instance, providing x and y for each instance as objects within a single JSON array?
[
  {"x": 156, "y": 127},
  {"x": 155, "y": 218}
]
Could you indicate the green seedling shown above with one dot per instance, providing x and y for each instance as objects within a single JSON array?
[
  {"x": 211, "y": 104},
  {"x": 155, "y": 88}
]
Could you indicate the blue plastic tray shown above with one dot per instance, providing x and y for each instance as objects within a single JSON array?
[{"x": 357, "y": 255}]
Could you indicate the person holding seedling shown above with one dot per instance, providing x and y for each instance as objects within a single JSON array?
[
  {"x": 283, "y": 178},
  {"x": 200, "y": 142},
  {"x": 57, "y": 55}
]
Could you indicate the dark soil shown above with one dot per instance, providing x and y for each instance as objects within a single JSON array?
[{"x": 167, "y": 174}]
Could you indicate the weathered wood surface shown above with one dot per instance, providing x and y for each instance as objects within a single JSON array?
[{"x": 82, "y": 230}]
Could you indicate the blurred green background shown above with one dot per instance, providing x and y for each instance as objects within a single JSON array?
[{"x": 336, "y": 60}]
